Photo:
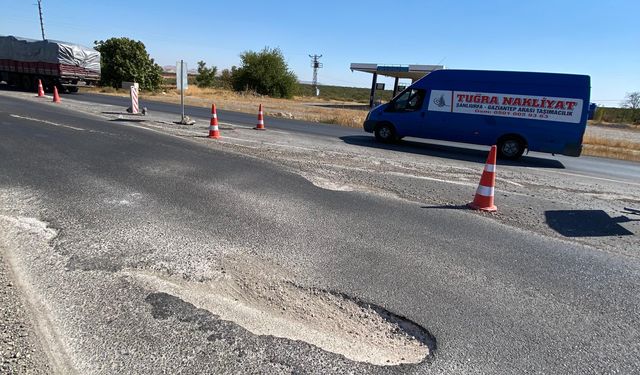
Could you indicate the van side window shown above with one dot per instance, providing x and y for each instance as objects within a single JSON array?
[{"x": 409, "y": 101}]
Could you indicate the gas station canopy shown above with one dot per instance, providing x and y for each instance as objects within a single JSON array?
[{"x": 413, "y": 72}]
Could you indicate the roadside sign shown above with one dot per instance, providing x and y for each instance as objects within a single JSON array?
[
  {"x": 181, "y": 85},
  {"x": 181, "y": 76},
  {"x": 379, "y": 86}
]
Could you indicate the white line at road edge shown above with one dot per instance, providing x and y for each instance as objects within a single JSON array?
[
  {"x": 407, "y": 175},
  {"x": 155, "y": 128},
  {"x": 596, "y": 178},
  {"x": 47, "y": 122},
  {"x": 251, "y": 127}
]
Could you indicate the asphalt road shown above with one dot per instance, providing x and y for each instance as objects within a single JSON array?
[
  {"x": 590, "y": 166},
  {"x": 496, "y": 299}
]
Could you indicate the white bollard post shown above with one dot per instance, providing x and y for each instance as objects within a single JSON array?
[{"x": 134, "y": 100}]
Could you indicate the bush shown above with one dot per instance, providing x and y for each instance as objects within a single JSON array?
[
  {"x": 266, "y": 73},
  {"x": 206, "y": 76},
  {"x": 225, "y": 80},
  {"x": 124, "y": 59},
  {"x": 617, "y": 115}
]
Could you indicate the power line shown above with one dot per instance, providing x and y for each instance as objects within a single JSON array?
[
  {"x": 41, "y": 23},
  {"x": 315, "y": 64}
]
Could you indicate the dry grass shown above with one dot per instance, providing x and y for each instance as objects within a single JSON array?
[
  {"x": 616, "y": 125},
  {"x": 611, "y": 148},
  {"x": 299, "y": 108}
]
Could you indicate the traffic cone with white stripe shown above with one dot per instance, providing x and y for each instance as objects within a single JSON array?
[
  {"x": 40, "y": 89},
  {"x": 484, "y": 195},
  {"x": 56, "y": 96},
  {"x": 260, "y": 125},
  {"x": 214, "y": 132}
]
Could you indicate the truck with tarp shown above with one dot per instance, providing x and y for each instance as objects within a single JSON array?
[{"x": 66, "y": 65}]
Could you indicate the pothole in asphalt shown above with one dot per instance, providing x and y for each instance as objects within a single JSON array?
[
  {"x": 327, "y": 184},
  {"x": 268, "y": 305}
]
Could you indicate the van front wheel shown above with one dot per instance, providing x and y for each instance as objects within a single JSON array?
[
  {"x": 386, "y": 133},
  {"x": 510, "y": 148}
]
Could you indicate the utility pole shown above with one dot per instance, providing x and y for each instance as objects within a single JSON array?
[
  {"x": 41, "y": 23},
  {"x": 315, "y": 64}
]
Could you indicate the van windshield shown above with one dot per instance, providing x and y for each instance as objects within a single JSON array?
[{"x": 408, "y": 101}]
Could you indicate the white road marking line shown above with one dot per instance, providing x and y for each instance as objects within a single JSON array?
[
  {"x": 48, "y": 122},
  {"x": 364, "y": 170},
  {"x": 394, "y": 173},
  {"x": 272, "y": 144},
  {"x": 400, "y": 174},
  {"x": 509, "y": 182},
  {"x": 251, "y": 127},
  {"x": 340, "y": 167},
  {"x": 596, "y": 178}
]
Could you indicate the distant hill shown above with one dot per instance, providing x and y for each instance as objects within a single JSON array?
[{"x": 168, "y": 69}]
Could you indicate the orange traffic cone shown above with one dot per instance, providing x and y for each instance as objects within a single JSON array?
[
  {"x": 56, "y": 96},
  {"x": 260, "y": 125},
  {"x": 40, "y": 89},
  {"x": 214, "y": 132},
  {"x": 484, "y": 195}
]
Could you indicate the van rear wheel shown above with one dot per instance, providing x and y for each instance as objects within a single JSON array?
[
  {"x": 510, "y": 148},
  {"x": 386, "y": 133}
]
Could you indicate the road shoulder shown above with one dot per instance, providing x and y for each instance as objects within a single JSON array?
[{"x": 20, "y": 348}]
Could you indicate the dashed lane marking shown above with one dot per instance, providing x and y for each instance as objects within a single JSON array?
[{"x": 48, "y": 122}]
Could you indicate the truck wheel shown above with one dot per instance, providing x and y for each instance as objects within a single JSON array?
[
  {"x": 510, "y": 148},
  {"x": 386, "y": 133}
]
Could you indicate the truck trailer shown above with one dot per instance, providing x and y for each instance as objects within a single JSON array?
[
  {"x": 65, "y": 65},
  {"x": 518, "y": 111}
]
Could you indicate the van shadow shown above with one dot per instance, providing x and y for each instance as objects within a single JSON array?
[
  {"x": 448, "y": 152},
  {"x": 587, "y": 223}
]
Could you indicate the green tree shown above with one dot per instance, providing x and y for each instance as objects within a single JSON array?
[
  {"x": 206, "y": 76},
  {"x": 266, "y": 72},
  {"x": 226, "y": 77},
  {"x": 124, "y": 59}
]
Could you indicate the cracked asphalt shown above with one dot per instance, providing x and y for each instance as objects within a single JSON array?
[{"x": 497, "y": 297}]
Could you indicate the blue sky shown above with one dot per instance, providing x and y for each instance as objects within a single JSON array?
[{"x": 598, "y": 38}]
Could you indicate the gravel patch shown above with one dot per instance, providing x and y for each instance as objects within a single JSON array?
[{"x": 20, "y": 350}]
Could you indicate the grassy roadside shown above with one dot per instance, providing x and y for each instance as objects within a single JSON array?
[
  {"x": 350, "y": 114},
  {"x": 611, "y": 148}
]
